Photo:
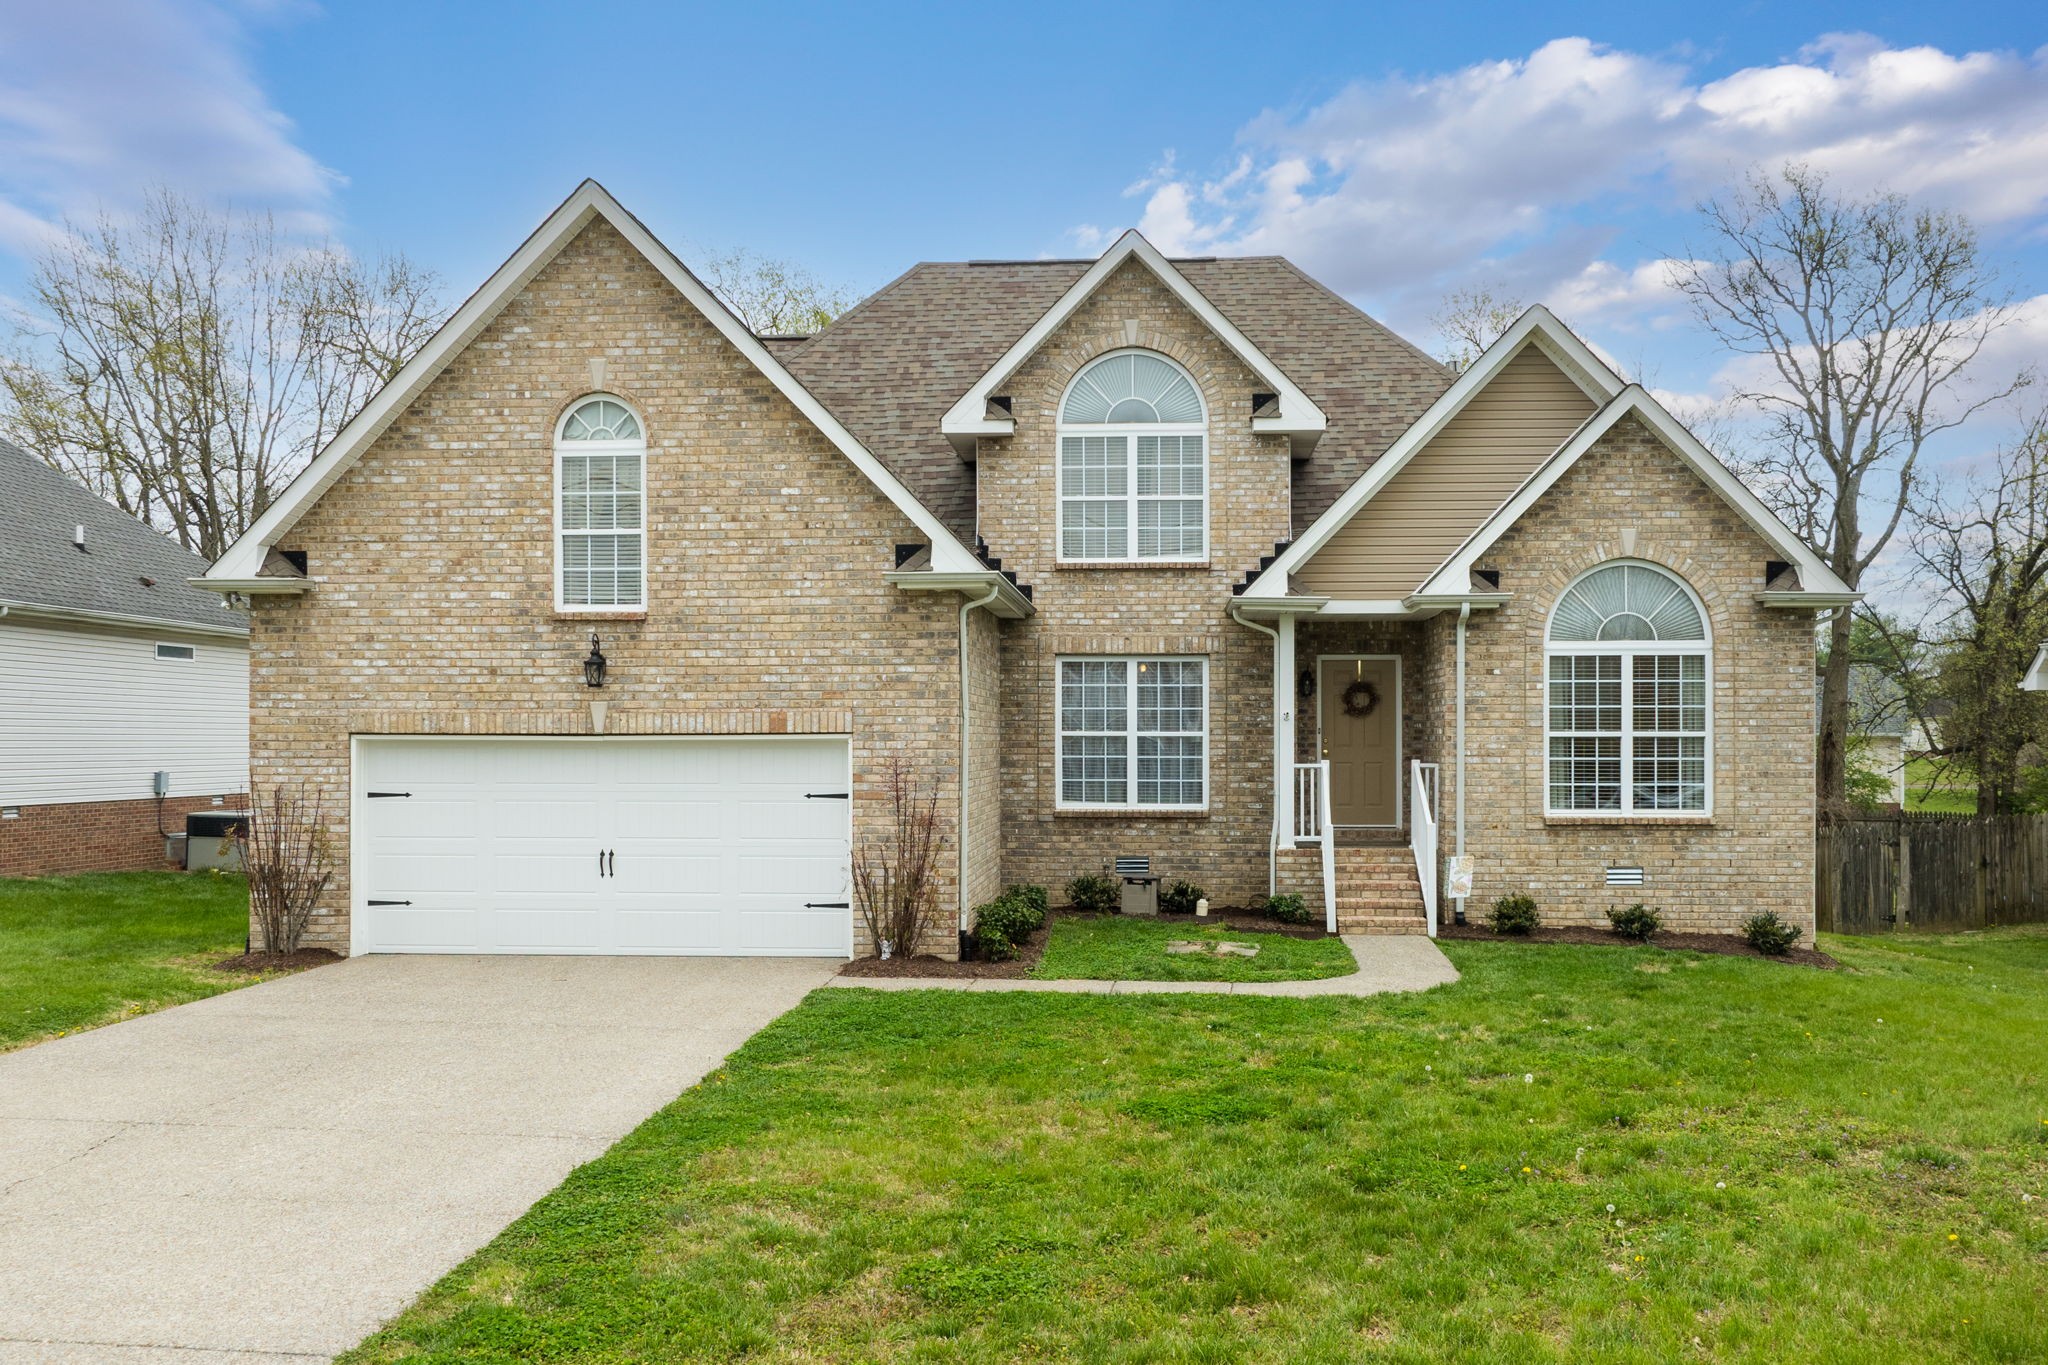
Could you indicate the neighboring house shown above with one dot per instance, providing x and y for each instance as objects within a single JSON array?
[
  {"x": 1878, "y": 725},
  {"x": 2037, "y": 672},
  {"x": 1115, "y": 555},
  {"x": 113, "y": 668}
]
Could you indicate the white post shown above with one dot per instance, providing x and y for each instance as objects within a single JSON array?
[{"x": 1283, "y": 729}]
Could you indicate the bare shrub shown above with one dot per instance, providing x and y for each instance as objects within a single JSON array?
[
  {"x": 290, "y": 862},
  {"x": 895, "y": 876}
]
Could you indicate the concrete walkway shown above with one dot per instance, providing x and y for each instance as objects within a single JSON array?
[
  {"x": 268, "y": 1175},
  {"x": 1386, "y": 962}
]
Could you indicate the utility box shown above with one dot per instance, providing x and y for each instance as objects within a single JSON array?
[
  {"x": 1141, "y": 888},
  {"x": 210, "y": 839}
]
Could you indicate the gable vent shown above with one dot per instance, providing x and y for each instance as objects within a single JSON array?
[{"x": 1624, "y": 876}]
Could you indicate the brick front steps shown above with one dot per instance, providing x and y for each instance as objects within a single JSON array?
[{"x": 1377, "y": 892}]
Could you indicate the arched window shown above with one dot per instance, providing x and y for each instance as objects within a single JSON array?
[
  {"x": 1629, "y": 719},
  {"x": 1134, "y": 471},
  {"x": 600, "y": 506}
]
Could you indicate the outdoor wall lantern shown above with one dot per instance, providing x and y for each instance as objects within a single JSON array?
[
  {"x": 1308, "y": 683},
  {"x": 594, "y": 666}
]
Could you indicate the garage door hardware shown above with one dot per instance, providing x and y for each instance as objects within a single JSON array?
[
  {"x": 391, "y": 902},
  {"x": 607, "y": 862},
  {"x": 828, "y": 905},
  {"x": 828, "y": 796},
  {"x": 379, "y": 796}
]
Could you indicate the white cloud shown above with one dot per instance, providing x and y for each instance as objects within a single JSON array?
[
  {"x": 101, "y": 98},
  {"x": 1516, "y": 170}
]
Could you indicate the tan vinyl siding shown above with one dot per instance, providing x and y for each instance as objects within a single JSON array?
[{"x": 1454, "y": 483}]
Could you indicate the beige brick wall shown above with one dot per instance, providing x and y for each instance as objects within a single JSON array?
[
  {"x": 1149, "y": 610},
  {"x": 1755, "y": 852},
  {"x": 432, "y": 609}
]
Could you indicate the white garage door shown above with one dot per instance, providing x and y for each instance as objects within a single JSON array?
[{"x": 731, "y": 846}]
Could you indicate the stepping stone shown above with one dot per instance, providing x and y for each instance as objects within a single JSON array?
[
  {"x": 1181, "y": 945},
  {"x": 1229, "y": 949}
]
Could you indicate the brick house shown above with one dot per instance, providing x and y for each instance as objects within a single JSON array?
[
  {"x": 113, "y": 669},
  {"x": 1181, "y": 558}
]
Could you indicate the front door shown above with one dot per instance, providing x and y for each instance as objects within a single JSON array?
[{"x": 1361, "y": 737}]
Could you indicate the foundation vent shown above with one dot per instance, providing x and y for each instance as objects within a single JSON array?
[{"x": 1624, "y": 876}]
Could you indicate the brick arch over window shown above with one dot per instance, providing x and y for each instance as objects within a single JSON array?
[
  {"x": 1133, "y": 440},
  {"x": 1628, "y": 715}
]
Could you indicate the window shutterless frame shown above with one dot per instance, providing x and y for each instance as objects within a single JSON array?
[
  {"x": 180, "y": 653},
  {"x": 1624, "y": 698},
  {"x": 1102, "y": 763},
  {"x": 584, "y": 445},
  {"x": 1131, "y": 446}
]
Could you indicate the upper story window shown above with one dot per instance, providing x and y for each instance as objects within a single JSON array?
[
  {"x": 600, "y": 507},
  {"x": 1134, "y": 470},
  {"x": 1629, "y": 725}
]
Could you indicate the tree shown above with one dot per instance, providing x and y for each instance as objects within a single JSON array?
[
  {"x": 1865, "y": 315},
  {"x": 773, "y": 297},
  {"x": 186, "y": 363},
  {"x": 1986, "y": 550},
  {"x": 1471, "y": 320}
]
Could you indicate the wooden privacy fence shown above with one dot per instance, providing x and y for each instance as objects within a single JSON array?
[{"x": 1921, "y": 871}]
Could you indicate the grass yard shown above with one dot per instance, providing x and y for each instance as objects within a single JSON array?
[
  {"x": 76, "y": 952},
  {"x": 1574, "y": 1154},
  {"x": 1119, "y": 948},
  {"x": 1956, "y": 794}
]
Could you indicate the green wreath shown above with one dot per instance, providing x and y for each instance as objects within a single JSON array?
[{"x": 1361, "y": 698}]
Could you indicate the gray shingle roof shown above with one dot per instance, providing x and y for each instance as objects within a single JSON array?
[
  {"x": 39, "y": 566},
  {"x": 890, "y": 367}
]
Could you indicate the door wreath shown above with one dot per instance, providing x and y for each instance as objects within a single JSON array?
[{"x": 1361, "y": 698}]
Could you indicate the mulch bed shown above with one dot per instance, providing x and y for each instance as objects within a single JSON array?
[
  {"x": 1236, "y": 920},
  {"x": 257, "y": 963},
  {"x": 1728, "y": 945}
]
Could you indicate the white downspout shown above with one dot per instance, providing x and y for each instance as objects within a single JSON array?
[
  {"x": 1283, "y": 736},
  {"x": 966, "y": 740},
  {"x": 1464, "y": 614}
]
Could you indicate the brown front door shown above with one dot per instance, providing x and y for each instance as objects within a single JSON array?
[{"x": 1364, "y": 750}]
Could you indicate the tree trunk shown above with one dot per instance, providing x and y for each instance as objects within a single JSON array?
[{"x": 1832, "y": 774}]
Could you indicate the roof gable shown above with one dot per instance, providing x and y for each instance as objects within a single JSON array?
[
  {"x": 2037, "y": 675},
  {"x": 240, "y": 568},
  {"x": 969, "y": 418}
]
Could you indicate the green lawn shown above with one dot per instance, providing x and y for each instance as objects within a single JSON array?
[
  {"x": 1957, "y": 793},
  {"x": 76, "y": 952},
  {"x": 1116, "y": 948},
  {"x": 1574, "y": 1154}
]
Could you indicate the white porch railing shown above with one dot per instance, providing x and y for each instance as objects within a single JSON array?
[
  {"x": 1422, "y": 793},
  {"x": 1312, "y": 826}
]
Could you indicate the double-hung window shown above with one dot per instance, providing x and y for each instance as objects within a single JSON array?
[
  {"x": 1134, "y": 733},
  {"x": 1133, "y": 462},
  {"x": 1628, "y": 728},
  {"x": 601, "y": 508}
]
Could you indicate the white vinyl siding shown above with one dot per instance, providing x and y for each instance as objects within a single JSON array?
[
  {"x": 601, "y": 508},
  {"x": 90, "y": 715},
  {"x": 1133, "y": 733}
]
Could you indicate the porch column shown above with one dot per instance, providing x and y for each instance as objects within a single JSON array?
[{"x": 1283, "y": 728}]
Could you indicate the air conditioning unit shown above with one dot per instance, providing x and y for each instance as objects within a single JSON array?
[
  {"x": 210, "y": 839},
  {"x": 1141, "y": 888}
]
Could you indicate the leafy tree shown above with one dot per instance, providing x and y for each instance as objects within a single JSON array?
[
  {"x": 186, "y": 363},
  {"x": 774, "y": 297},
  {"x": 1471, "y": 320},
  {"x": 1865, "y": 316}
]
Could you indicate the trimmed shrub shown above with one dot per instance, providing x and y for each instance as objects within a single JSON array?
[
  {"x": 1033, "y": 896},
  {"x": 1290, "y": 909},
  {"x": 1002, "y": 925},
  {"x": 1512, "y": 915},
  {"x": 1638, "y": 922},
  {"x": 1094, "y": 893},
  {"x": 1768, "y": 934},
  {"x": 1180, "y": 898}
]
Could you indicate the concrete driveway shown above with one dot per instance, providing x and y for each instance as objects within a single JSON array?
[{"x": 270, "y": 1174}]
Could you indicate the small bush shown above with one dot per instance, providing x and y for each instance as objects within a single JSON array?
[
  {"x": 1002, "y": 925},
  {"x": 1512, "y": 915},
  {"x": 1290, "y": 909},
  {"x": 1638, "y": 922},
  {"x": 1768, "y": 934},
  {"x": 1094, "y": 893},
  {"x": 1180, "y": 898},
  {"x": 1035, "y": 897}
]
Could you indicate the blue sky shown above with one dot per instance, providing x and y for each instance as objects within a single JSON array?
[{"x": 1396, "y": 151}]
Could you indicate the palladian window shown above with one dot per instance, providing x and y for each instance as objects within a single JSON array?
[
  {"x": 601, "y": 507},
  {"x": 1133, "y": 477},
  {"x": 1628, "y": 728}
]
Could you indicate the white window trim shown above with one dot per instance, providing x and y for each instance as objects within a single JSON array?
[
  {"x": 639, "y": 447},
  {"x": 1130, "y": 432},
  {"x": 1628, "y": 651},
  {"x": 1131, "y": 732},
  {"x": 191, "y": 654}
]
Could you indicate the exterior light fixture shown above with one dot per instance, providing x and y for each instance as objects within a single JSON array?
[
  {"x": 1307, "y": 687},
  {"x": 594, "y": 666}
]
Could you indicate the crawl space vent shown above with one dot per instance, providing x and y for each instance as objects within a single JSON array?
[{"x": 1624, "y": 876}]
